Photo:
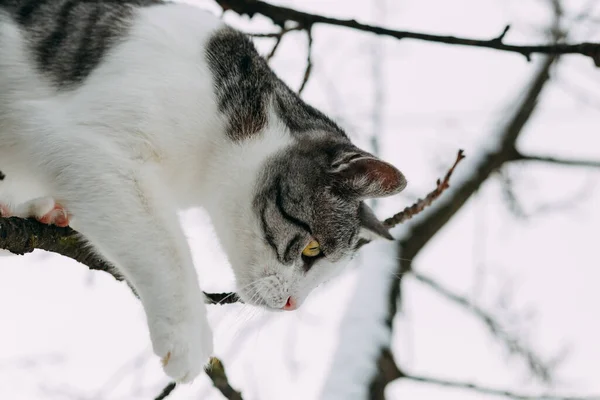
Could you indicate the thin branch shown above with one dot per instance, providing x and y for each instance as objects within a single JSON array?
[
  {"x": 21, "y": 236},
  {"x": 420, "y": 204},
  {"x": 278, "y": 36},
  {"x": 421, "y": 231},
  {"x": 536, "y": 364},
  {"x": 280, "y": 15},
  {"x": 166, "y": 391},
  {"x": 216, "y": 372},
  {"x": 559, "y": 161},
  {"x": 491, "y": 391},
  {"x": 309, "y": 62},
  {"x": 387, "y": 367}
]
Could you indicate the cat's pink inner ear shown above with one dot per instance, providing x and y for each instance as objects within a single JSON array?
[{"x": 372, "y": 177}]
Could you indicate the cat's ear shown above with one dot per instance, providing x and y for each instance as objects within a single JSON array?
[
  {"x": 368, "y": 177},
  {"x": 371, "y": 227}
]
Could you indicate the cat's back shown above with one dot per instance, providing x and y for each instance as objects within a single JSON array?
[
  {"x": 65, "y": 41},
  {"x": 93, "y": 61}
]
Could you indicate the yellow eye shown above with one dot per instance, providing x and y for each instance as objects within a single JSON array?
[{"x": 313, "y": 249}]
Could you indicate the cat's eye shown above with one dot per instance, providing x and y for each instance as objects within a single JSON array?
[{"x": 313, "y": 249}]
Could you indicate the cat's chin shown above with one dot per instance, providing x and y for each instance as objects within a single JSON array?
[{"x": 256, "y": 300}]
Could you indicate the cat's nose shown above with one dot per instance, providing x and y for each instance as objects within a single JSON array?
[{"x": 290, "y": 304}]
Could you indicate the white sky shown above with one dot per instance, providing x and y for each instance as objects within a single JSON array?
[{"x": 68, "y": 333}]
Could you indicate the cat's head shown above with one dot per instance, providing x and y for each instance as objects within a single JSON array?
[{"x": 307, "y": 219}]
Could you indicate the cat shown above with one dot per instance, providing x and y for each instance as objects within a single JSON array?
[{"x": 114, "y": 115}]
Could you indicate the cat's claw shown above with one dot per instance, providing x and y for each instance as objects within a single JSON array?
[
  {"x": 184, "y": 347},
  {"x": 57, "y": 216},
  {"x": 44, "y": 209}
]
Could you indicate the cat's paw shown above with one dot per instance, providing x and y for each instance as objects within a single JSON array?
[
  {"x": 183, "y": 347},
  {"x": 44, "y": 209}
]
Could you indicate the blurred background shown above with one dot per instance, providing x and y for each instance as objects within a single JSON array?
[{"x": 495, "y": 286}]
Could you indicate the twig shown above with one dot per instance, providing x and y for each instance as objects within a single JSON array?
[
  {"x": 278, "y": 36},
  {"x": 559, "y": 161},
  {"x": 309, "y": 62},
  {"x": 166, "y": 391},
  {"x": 389, "y": 369},
  {"x": 441, "y": 186},
  {"x": 280, "y": 15},
  {"x": 536, "y": 364},
  {"x": 216, "y": 372},
  {"x": 491, "y": 391}
]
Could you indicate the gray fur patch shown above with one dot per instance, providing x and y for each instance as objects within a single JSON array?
[
  {"x": 69, "y": 38},
  {"x": 298, "y": 196},
  {"x": 245, "y": 86}
]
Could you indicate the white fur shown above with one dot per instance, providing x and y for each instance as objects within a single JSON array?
[{"x": 139, "y": 140}]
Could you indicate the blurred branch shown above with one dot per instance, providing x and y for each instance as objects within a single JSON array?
[
  {"x": 309, "y": 62},
  {"x": 280, "y": 15},
  {"x": 553, "y": 160},
  {"x": 216, "y": 372},
  {"x": 278, "y": 36},
  {"x": 420, "y": 232},
  {"x": 387, "y": 367},
  {"x": 536, "y": 364},
  {"x": 511, "y": 198},
  {"x": 166, "y": 391},
  {"x": 491, "y": 391}
]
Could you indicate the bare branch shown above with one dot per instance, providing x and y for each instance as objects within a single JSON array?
[
  {"x": 309, "y": 62},
  {"x": 537, "y": 365},
  {"x": 559, "y": 161},
  {"x": 216, "y": 372},
  {"x": 278, "y": 36},
  {"x": 166, "y": 391},
  {"x": 280, "y": 15},
  {"x": 422, "y": 230},
  {"x": 491, "y": 391},
  {"x": 21, "y": 236},
  {"x": 420, "y": 204},
  {"x": 387, "y": 367}
]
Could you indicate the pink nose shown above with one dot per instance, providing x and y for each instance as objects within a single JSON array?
[{"x": 290, "y": 305}]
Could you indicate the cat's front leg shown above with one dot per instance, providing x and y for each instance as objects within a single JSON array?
[{"x": 123, "y": 211}]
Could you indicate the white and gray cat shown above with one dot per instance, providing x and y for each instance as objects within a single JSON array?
[{"x": 114, "y": 115}]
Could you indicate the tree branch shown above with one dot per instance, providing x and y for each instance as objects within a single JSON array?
[
  {"x": 387, "y": 365},
  {"x": 166, "y": 391},
  {"x": 420, "y": 232},
  {"x": 309, "y": 61},
  {"x": 491, "y": 391},
  {"x": 216, "y": 372},
  {"x": 280, "y": 15},
  {"x": 553, "y": 160},
  {"x": 536, "y": 364},
  {"x": 21, "y": 236}
]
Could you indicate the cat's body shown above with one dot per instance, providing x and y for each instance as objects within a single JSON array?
[{"x": 125, "y": 112}]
